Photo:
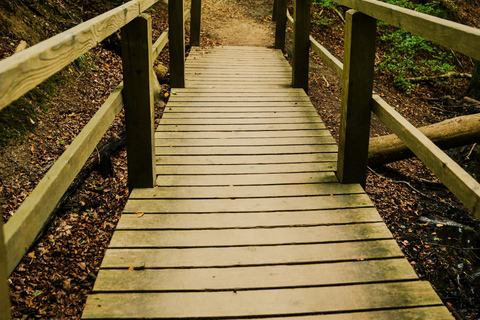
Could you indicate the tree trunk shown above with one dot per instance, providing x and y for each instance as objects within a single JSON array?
[
  {"x": 446, "y": 134},
  {"x": 473, "y": 90}
]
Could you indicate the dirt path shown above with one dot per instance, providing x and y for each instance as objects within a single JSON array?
[{"x": 237, "y": 23}]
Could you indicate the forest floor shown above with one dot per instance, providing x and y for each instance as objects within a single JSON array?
[{"x": 437, "y": 234}]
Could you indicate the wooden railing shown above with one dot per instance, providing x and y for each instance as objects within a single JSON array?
[
  {"x": 358, "y": 100},
  {"x": 27, "y": 69}
]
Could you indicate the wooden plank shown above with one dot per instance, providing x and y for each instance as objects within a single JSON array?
[
  {"x": 193, "y": 221},
  {"x": 248, "y": 205},
  {"x": 195, "y": 22},
  {"x": 176, "y": 38},
  {"x": 138, "y": 97},
  {"x": 23, "y": 227},
  {"x": 208, "y": 122},
  {"x": 246, "y": 169},
  {"x": 240, "y": 127},
  {"x": 255, "y": 104},
  {"x": 277, "y": 98},
  {"x": 233, "y": 90},
  {"x": 357, "y": 89},
  {"x": 243, "y": 134},
  {"x": 238, "y": 109},
  {"x": 189, "y": 95},
  {"x": 247, "y": 159},
  {"x": 450, "y": 34},
  {"x": 247, "y": 237},
  {"x": 5, "y": 313},
  {"x": 237, "y": 150},
  {"x": 244, "y": 142},
  {"x": 301, "y": 44},
  {"x": 255, "y": 277},
  {"x": 463, "y": 185},
  {"x": 262, "y": 303},
  {"x": 229, "y": 115},
  {"x": 245, "y": 192},
  {"x": 24, "y": 71},
  {"x": 245, "y": 85},
  {"x": 251, "y": 256}
]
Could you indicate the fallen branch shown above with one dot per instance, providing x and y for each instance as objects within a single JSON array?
[
  {"x": 447, "y": 134},
  {"x": 441, "y": 76}
]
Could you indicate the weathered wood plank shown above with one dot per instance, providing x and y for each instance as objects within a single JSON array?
[
  {"x": 239, "y": 150},
  {"x": 248, "y": 169},
  {"x": 225, "y": 121},
  {"x": 255, "y": 104},
  {"x": 251, "y": 256},
  {"x": 138, "y": 99},
  {"x": 240, "y": 127},
  {"x": 233, "y": 90},
  {"x": 214, "y": 95},
  {"x": 239, "y": 115},
  {"x": 248, "y": 205},
  {"x": 246, "y": 191},
  {"x": 22, "y": 229},
  {"x": 238, "y": 109},
  {"x": 254, "y": 277},
  {"x": 244, "y": 142},
  {"x": 242, "y": 134},
  {"x": 247, "y": 237},
  {"x": 25, "y": 70},
  {"x": 193, "y": 221},
  {"x": 247, "y": 159}
]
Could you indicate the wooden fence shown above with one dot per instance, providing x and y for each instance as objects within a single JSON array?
[
  {"x": 357, "y": 83},
  {"x": 27, "y": 69}
]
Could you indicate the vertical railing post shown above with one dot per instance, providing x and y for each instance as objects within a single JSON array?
[
  {"x": 4, "y": 288},
  {"x": 195, "y": 22},
  {"x": 301, "y": 44},
  {"x": 358, "y": 65},
  {"x": 138, "y": 101},
  {"x": 176, "y": 46},
  {"x": 281, "y": 25},
  {"x": 274, "y": 13}
]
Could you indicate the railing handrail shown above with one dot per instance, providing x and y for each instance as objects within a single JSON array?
[
  {"x": 456, "y": 36},
  {"x": 18, "y": 234},
  {"x": 25, "y": 70}
]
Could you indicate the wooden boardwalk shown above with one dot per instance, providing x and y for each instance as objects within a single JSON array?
[{"x": 248, "y": 220}]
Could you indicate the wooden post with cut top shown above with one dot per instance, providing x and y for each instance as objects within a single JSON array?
[
  {"x": 138, "y": 100},
  {"x": 4, "y": 289},
  {"x": 301, "y": 44},
  {"x": 281, "y": 25},
  {"x": 176, "y": 46},
  {"x": 195, "y": 22},
  {"x": 358, "y": 65}
]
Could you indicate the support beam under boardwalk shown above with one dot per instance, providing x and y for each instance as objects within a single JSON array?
[{"x": 248, "y": 219}]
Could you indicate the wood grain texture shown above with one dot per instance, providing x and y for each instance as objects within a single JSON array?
[
  {"x": 24, "y": 71},
  {"x": 289, "y": 276},
  {"x": 193, "y": 221},
  {"x": 251, "y": 256}
]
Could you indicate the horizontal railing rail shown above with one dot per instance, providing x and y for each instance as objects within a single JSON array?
[
  {"x": 353, "y": 145},
  {"x": 25, "y": 70}
]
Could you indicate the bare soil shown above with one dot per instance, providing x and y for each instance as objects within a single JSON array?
[{"x": 54, "y": 278}]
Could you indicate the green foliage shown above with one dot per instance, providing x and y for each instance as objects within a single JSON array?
[
  {"x": 404, "y": 59},
  {"x": 85, "y": 62},
  {"x": 433, "y": 8},
  {"x": 329, "y": 4},
  {"x": 318, "y": 19}
]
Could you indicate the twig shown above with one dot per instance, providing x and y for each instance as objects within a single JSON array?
[
  {"x": 328, "y": 84},
  {"x": 339, "y": 14},
  {"x": 471, "y": 150},
  {"x": 441, "y": 76}
]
